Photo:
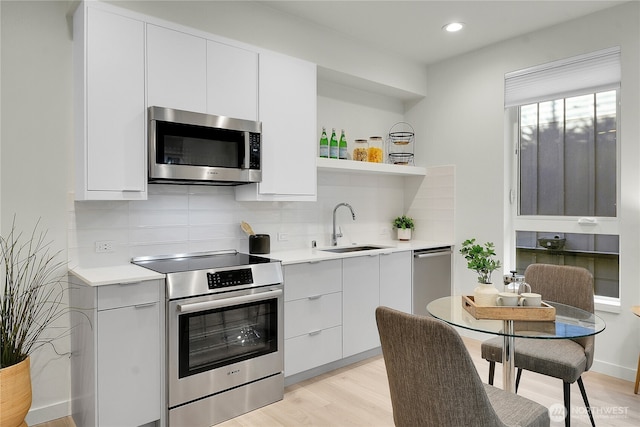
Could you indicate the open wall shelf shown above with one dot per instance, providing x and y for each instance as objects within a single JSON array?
[{"x": 366, "y": 167}]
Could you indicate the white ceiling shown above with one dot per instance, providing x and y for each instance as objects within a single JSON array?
[{"x": 413, "y": 29}]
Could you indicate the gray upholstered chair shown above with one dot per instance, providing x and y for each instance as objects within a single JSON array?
[
  {"x": 433, "y": 381},
  {"x": 563, "y": 359}
]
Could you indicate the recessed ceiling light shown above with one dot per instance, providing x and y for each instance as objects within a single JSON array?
[{"x": 453, "y": 27}]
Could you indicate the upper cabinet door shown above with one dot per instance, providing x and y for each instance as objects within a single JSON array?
[
  {"x": 110, "y": 109},
  {"x": 176, "y": 70},
  {"x": 232, "y": 81},
  {"x": 287, "y": 101}
]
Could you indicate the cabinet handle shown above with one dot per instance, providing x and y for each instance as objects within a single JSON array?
[
  {"x": 316, "y": 332},
  {"x": 312, "y": 297},
  {"x": 148, "y": 304}
]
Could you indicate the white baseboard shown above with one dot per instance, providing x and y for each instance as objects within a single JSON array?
[
  {"x": 48, "y": 413},
  {"x": 617, "y": 371}
]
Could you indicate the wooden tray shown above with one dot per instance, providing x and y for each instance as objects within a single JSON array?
[{"x": 543, "y": 313}]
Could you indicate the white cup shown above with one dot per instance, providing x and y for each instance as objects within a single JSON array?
[
  {"x": 524, "y": 287},
  {"x": 507, "y": 299},
  {"x": 531, "y": 299}
]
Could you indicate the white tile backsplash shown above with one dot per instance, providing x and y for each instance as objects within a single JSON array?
[
  {"x": 182, "y": 219},
  {"x": 431, "y": 204}
]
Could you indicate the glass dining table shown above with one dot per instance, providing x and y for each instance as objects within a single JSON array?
[{"x": 570, "y": 322}]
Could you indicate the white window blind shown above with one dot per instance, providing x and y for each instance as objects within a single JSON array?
[{"x": 567, "y": 77}]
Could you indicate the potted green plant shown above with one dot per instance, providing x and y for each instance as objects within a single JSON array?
[
  {"x": 482, "y": 260},
  {"x": 31, "y": 300},
  {"x": 404, "y": 225}
]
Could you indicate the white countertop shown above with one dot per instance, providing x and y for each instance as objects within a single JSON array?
[
  {"x": 130, "y": 273},
  {"x": 127, "y": 273},
  {"x": 297, "y": 256}
]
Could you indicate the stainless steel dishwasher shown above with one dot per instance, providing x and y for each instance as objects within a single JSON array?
[{"x": 431, "y": 276}]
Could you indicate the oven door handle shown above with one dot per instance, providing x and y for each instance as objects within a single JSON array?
[{"x": 225, "y": 302}]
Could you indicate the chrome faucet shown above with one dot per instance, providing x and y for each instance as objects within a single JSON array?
[{"x": 334, "y": 235}]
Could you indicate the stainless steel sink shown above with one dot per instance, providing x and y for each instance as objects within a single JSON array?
[{"x": 354, "y": 248}]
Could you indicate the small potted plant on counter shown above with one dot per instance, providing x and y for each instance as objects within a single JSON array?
[
  {"x": 481, "y": 259},
  {"x": 404, "y": 225}
]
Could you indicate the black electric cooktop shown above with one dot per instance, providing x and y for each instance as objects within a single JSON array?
[{"x": 198, "y": 261}]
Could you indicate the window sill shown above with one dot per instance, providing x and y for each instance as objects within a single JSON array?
[{"x": 607, "y": 304}]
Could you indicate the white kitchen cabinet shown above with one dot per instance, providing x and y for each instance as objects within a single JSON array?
[
  {"x": 313, "y": 315},
  {"x": 395, "y": 280},
  {"x": 311, "y": 350},
  {"x": 232, "y": 81},
  {"x": 287, "y": 110},
  {"x": 116, "y": 363},
  {"x": 176, "y": 69},
  {"x": 128, "y": 345},
  {"x": 361, "y": 297},
  {"x": 110, "y": 153}
]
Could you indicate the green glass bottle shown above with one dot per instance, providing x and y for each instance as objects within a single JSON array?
[
  {"x": 324, "y": 144},
  {"x": 333, "y": 145},
  {"x": 342, "y": 146}
]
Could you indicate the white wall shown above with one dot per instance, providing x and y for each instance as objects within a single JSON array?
[
  {"x": 463, "y": 115},
  {"x": 36, "y": 136}
]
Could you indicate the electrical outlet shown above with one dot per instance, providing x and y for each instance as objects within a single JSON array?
[
  {"x": 104, "y": 246},
  {"x": 384, "y": 231},
  {"x": 283, "y": 237}
]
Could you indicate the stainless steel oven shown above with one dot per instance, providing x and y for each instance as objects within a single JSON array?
[{"x": 224, "y": 335}]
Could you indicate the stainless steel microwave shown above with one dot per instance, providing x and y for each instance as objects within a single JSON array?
[{"x": 195, "y": 148}]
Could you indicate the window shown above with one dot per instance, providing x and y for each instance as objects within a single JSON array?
[
  {"x": 568, "y": 156},
  {"x": 566, "y": 170}
]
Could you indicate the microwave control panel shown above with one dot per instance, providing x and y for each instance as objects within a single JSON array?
[{"x": 254, "y": 151}]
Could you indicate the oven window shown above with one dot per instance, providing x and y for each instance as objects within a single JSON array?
[
  {"x": 215, "y": 338},
  {"x": 198, "y": 145}
]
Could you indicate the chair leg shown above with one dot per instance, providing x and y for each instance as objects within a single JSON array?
[
  {"x": 566, "y": 390},
  {"x": 635, "y": 390},
  {"x": 586, "y": 401},
  {"x": 518, "y": 379},
  {"x": 492, "y": 372}
]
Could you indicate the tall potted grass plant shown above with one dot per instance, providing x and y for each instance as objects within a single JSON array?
[{"x": 31, "y": 300}]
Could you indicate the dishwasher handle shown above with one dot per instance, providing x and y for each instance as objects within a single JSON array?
[{"x": 432, "y": 253}]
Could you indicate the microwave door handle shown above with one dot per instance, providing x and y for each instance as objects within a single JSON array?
[
  {"x": 226, "y": 302},
  {"x": 247, "y": 150}
]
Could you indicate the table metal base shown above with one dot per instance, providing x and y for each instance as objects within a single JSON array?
[{"x": 508, "y": 354}]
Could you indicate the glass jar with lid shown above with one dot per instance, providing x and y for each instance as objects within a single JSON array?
[
  {"x": 376, "y": 150},
  {"x": 360, "y": 150}
]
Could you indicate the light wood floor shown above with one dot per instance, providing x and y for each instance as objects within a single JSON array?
[{"x": 358, "y": 395}]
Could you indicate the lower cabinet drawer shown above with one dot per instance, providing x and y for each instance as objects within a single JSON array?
[
  {"x": 312, "y": 350},
  {"x": 312, "y": 314},
  {"x": 128, "y": 294}
]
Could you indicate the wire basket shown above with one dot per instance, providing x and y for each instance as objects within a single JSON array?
[
  {"x": 401, "y": 133},
  {"x": 401, "y": 158}
]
